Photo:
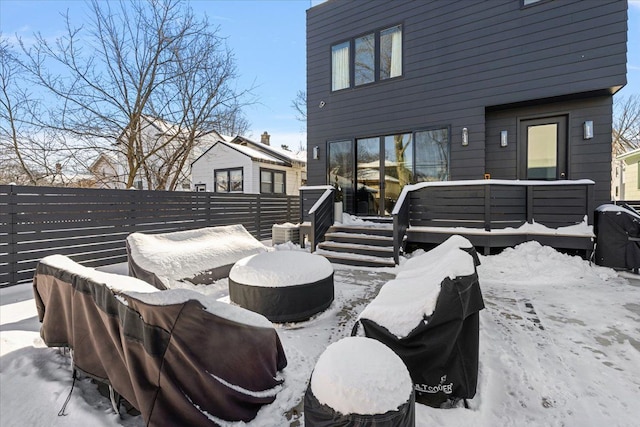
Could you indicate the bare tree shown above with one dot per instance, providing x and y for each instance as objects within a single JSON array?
[
  {"x": 136, "y": 61},
  {"x": 626, "y": 124},
  {"x": 300, "y": 105}
]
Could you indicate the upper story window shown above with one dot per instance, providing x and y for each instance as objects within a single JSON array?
[
  {"x": 391, "y": 53},
  {"x": 340, "y": 72},
  {"x": 366, "y": 59}
]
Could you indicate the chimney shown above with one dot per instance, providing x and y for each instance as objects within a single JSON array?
[{"x": 264, "y": 138}]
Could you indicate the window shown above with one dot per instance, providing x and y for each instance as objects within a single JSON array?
[
  {"x": 365, "y": 61},
  {"x": 340, "y": 66},
  {"x": 391, "y": 53},
  {"x": 376, "y": 56},
  {"x": 228, "y": 180},
  {"x": 272, "y": 182},
  {"x": 201, "y": 187},
  {"x": 432, "y": 155}
]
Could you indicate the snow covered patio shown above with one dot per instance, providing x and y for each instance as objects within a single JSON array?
[{"x": 559, "y": 345}]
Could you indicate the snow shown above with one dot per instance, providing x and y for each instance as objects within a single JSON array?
[
  {"x": 582, "y": 229},
  {"x": 559, "y": 346},
  {"x": 358, "y": 375},
  {"x": 182, "y": 254},
  {"x": 115, "y": 282},
  {"x": 280, "y": 268},
  {"x": 211, "y": 304},
  {"x": 616, "y": 208},
  {"x": 405, "y": 302}
]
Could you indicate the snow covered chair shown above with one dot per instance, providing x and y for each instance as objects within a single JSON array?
[
  {"x": 359, "y": 382},
  {"x": 179, "y": 357},
  {"x": 199, "y": 256},
  {"x": 429, "y": 316}
]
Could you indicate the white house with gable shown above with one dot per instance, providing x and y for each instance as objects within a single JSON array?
[{"x": 244, "y": 166}]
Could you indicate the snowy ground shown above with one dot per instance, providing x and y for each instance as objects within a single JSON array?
[{"x": 559, "y": 346}]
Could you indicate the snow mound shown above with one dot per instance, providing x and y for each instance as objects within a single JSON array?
[{"x": 358, "y": 375}]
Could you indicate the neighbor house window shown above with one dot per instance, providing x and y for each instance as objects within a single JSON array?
[
  {"x": 201, "y": 187},
  {"x": 228, "y": 180},
  {"x": 391, "y": 53},
  {"x": 365, "y": 61},
  {"x": 272, "y": 182},
  {"x": 376, "y": 56},
  {"x": 340, "y": 66}
]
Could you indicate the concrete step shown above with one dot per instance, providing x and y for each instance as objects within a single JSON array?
[
  {"x": 355, "y": 259},
  {"x": 360, "y": 239},
  {"x": 359, "y": 249}
]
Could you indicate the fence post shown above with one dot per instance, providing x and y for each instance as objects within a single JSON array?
[{"x": 13, "y": 244}]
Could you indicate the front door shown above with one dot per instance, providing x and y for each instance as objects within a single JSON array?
[{"x": 543, "y": 152}]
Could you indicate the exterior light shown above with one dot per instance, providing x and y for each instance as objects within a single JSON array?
[
  {"x": 588, "y": 129},
  {"x": 504, "y": 136},
  {"x": 465, "y": 137},
  {"x": 316, "y": 152}
]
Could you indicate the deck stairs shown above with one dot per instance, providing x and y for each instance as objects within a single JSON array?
[{"x": 364, "y": 244}]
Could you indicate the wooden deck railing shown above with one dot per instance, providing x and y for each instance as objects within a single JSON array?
[
  {"x": 319, "y": 216},
  {"x": 489, "y": 205}
]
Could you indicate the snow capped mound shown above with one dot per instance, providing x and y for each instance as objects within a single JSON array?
[
  {"x": 543, "y": 264},
  {"x": 358, "y": 375}
]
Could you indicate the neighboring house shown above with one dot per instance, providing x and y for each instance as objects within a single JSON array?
[
  {"x": 107, "y": 172},
  {"x": 626, "y": 176},
  {"x": 244, "y": 166},
  {"x": 457, "y": 90},
  {"x": 164, "y": 140}
]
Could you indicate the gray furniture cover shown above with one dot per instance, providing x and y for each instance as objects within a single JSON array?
[
  {"x": 174, "y": 360},
  {"x": 200, "y": 256}
]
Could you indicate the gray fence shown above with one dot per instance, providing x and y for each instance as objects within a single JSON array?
[{"x": 91, "y": 225}]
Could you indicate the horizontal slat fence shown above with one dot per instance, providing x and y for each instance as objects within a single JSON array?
[{"x": 91, "y": 225}]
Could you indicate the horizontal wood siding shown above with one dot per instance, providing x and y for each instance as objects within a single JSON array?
[
  {"x": 459, "y": 58},
  {"x": 588, "y": 158},
  {"x": 91, "y": 226}
]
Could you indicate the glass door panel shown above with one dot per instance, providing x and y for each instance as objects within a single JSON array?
[
  {"x": 368, "y": 188},
  {"x": 543, "y": 152},
  {"x": 398, "y": 166},
  {"x": 341, "y": 171}
]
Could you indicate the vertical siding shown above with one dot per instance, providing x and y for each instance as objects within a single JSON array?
[{"x": 460, "y": 58}]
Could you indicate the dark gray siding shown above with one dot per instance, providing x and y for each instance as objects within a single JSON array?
[
  {"x": 460, "y": 58},
  {"x": 590, "y": 159}
]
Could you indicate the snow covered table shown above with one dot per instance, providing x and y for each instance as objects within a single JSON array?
[
  {"x": 283, "y": 286},
  {"x": 359, "y": 381}
]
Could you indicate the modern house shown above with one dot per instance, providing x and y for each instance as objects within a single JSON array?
[
  {"x": 408, "y": 92},
  {"x": 240, "y": 165},
  {"x": 457, "y": 90}
]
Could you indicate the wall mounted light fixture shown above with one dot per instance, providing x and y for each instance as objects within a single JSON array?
[
  {"x": 316, "y": 152},
  {"x": 504, "y": 138},
  {"x": 465, "y": 137},
  {"x": 588, "y": 129}
]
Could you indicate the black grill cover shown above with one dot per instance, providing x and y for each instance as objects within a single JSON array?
[
  {"x": 441, "y": 355},
  {"x": 617, "y": 230},
  {"x": 317, "y": 414}
]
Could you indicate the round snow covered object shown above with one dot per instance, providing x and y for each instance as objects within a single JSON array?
[
  {"x": 281, "y": 268},
  {"x": 359, "y": 375}
]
